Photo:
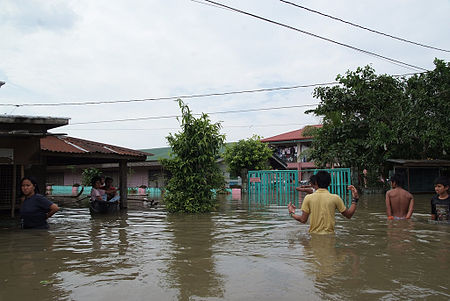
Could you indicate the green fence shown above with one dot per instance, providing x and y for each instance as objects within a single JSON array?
[
  {"x": 278, "y": 186},
  {"x": 268, "y": 186}
]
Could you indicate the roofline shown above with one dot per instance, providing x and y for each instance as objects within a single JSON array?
[{"x": 308, "y": 139}]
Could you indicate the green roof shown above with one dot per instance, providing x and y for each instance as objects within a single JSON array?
[
  {"x": 163, "y": 152},
  {"x": 158, "y": 153}
]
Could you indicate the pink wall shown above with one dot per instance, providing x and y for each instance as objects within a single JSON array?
[
  {"x": 138, "y": 177},
  {"x": 71, "y": 178}
]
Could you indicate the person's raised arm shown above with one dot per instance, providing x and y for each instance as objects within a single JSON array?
[
  {"x": 348, "y": 213},
  {"x": 307, "y": 190}
]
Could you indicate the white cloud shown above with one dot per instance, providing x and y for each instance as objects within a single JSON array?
[{"x": 60, "y": 51}]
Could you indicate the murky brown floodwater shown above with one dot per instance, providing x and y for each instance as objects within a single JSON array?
[{"x": 241, "y": 252}]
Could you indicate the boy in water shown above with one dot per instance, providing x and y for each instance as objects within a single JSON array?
[
  {"x": 399, "y": 202},
  {"x": 321, "y": 206},
  {"x": 440, "y": 202}
]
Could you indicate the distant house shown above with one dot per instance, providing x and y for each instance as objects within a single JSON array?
[
  {"x": 420, "y": 174},
  {"x": 290, "y": 149},
  {"x": 149, "y": 173},
  {"x": 157, "y": 176},
  {"x": 69, "y": 156},
  {"x": 27, "y": 149}
]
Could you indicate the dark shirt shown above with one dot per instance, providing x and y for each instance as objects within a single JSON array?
[
  {"x": 33, "y": 212},
  {"x": 441, "y": 208}
]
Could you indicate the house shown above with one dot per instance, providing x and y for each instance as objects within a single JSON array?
[
  {"x": 20, "y": 153},
  {"x": 157, "y": 176},
  {"x": 290, "y": 149},
  {"x": 27, "y": 148},
  {"x": 149, "y": 173}
]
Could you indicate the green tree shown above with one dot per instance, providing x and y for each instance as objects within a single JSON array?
[
  {"x": 245, "y": 155},
  {"x": 192, "y": 164},
  {"x": 426, "y": 133},
  {"x": 369, "y": 118},
  {"x": 88, "y": 174}
]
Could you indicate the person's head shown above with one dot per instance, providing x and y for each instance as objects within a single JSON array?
[
  {"x": 108, "y": 181},
  {"x": 397, "y": 180},
  {"x": 313, "y": 181},
  {"x": 96, "y": 182},
  {"x": 29, "y": 186},
  {"x": 441, "y": 185},
  {"x": 323, "y": 179},
  {"x": 102, "y": 179}
]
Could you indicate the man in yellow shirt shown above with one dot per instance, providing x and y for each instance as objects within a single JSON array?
[{"x": 321, "y": 206}]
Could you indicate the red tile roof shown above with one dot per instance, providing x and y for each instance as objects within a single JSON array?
[
  {"x": 291, "y": 136},
  {"x": 65, "y": 144}
]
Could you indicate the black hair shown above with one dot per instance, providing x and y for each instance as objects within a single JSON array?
[
  {"x": 323, "y": 179},
  {"x": 95, "y": 179},
  {"x": 33, "y": 181},
  {"x": 313, "y": 179},
  {"x": 398, "y": 179},
  {"x": 442, "y": 180}
]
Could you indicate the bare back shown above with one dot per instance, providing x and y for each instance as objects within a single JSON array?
[{"x": 399, "y": 203}]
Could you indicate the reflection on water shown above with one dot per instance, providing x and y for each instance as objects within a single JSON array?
[
  {"x": 243, "y": 251},
  {"x": 192, "y": 257}
]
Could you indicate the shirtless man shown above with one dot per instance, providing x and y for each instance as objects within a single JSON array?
[{"x": 399, "y": 202}]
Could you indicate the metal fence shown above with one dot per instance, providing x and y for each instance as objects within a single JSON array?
[{"x": 278, "y": 186}]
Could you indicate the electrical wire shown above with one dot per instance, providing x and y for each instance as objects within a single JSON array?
[
  {"x": 391, "y": 60},
  {"x": 169, "y": 97},
  {"x": 173, "y": 128},
  {"x": 192, "y": 96},
  {"x": 363, "y": 27},
  {"x": 177, "y": 116}
]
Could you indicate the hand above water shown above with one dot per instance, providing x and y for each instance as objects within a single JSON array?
[
  {"x": 354, "y": 191},
  {"x": 291, "y": 208}
]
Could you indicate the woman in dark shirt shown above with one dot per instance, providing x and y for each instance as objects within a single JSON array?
[{"x": 35, "y": 209}]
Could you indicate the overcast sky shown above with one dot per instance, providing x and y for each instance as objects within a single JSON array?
[{"x": 55, "y": 52}]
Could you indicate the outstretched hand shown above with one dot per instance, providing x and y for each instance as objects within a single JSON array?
[
  {"x": 354, "y": 191},
  {"x": 291, "y": 208}
]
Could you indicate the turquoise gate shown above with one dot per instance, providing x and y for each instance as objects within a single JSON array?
[
  {"x": 267, "y": 186},
  {"x": 278, "y": 186}
]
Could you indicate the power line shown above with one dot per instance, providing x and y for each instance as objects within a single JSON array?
[
  {"x": 391, "y": 60},
  {"x": 173, "y": 128},
  {"x": 176, "y": 116},
  {"x": 169, "y": 97},
  {"x": 363, "y": 27},
  {"x": 184, "y": 96},
  {"x": 192, "y": 96}
]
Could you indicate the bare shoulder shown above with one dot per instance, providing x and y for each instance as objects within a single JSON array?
[{"x": 409, "y": 194}]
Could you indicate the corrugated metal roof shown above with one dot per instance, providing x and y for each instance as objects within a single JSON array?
[
  {"x": 65, "y": 144},
  {"x": 291, "y": 136}
]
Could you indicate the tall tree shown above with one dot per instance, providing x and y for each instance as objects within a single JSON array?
[
  {"x": 192, "y": 165},
  {"x": 428, "y": 128},
  {"x": 369, "y": 118},
  {"x": 245, "y": 155}
]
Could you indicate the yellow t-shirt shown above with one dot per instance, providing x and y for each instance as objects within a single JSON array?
[{"x": 321, "y": 206}]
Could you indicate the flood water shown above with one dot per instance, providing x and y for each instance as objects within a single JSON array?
[{"x": 243, "y": 251}]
